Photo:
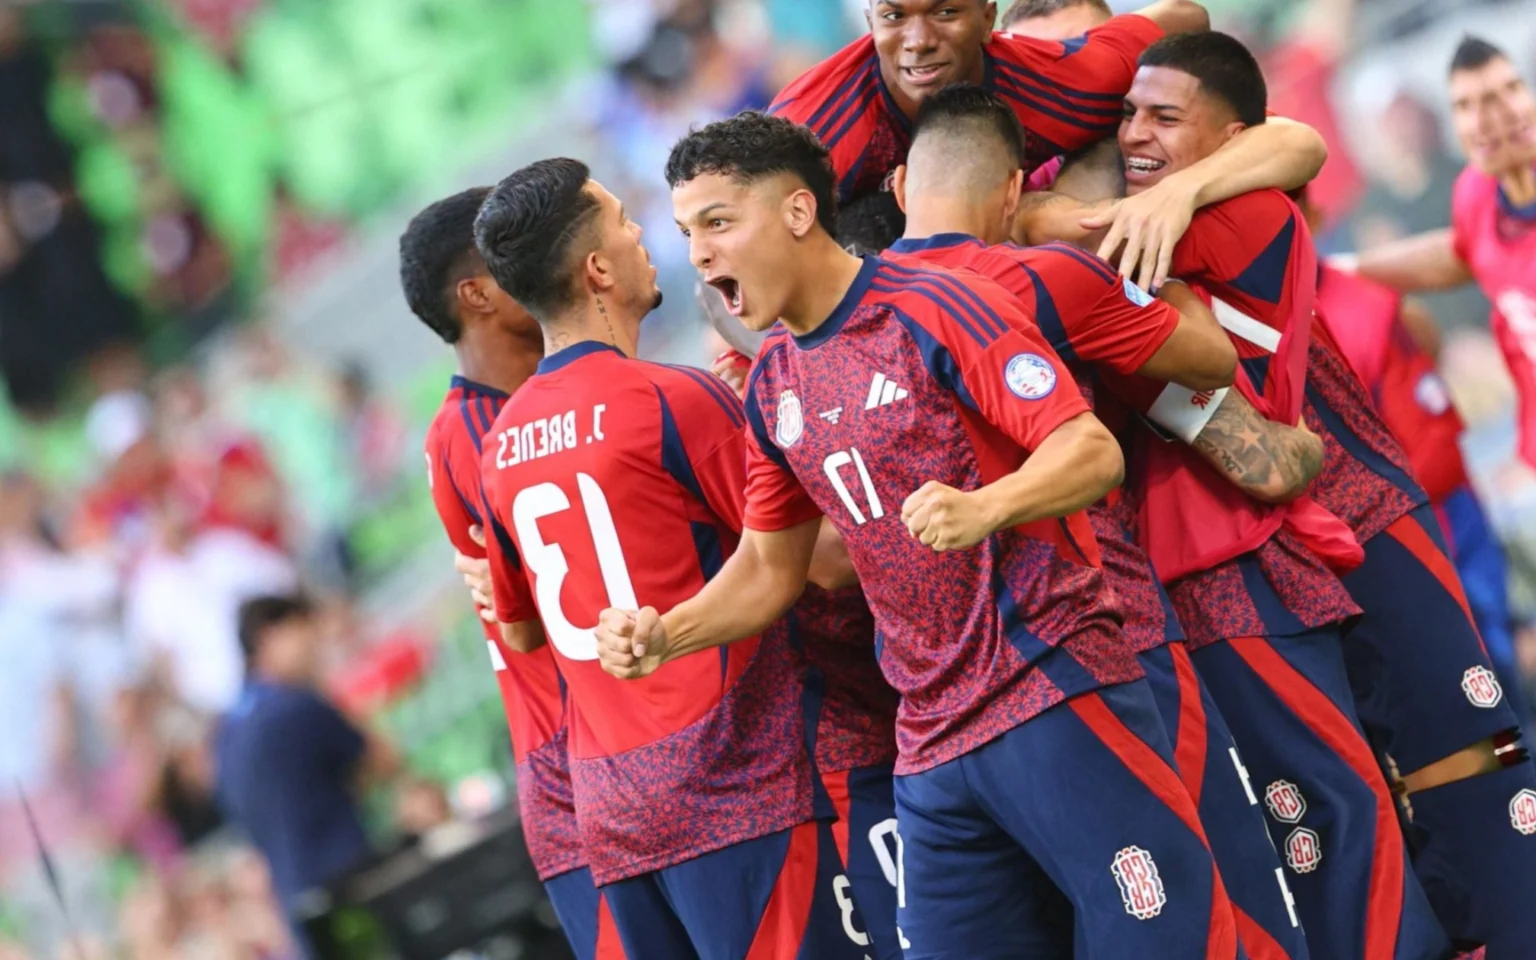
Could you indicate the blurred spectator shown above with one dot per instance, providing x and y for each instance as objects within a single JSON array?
[
  {"x": 289, "y": 763},
  {"x": 374, "y": 436}
]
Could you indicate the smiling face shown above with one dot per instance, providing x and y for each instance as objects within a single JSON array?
[
  {"x": 1495, "y": 116},
  {"x": 925, "y": 45},
  {"x": 743, "y": 238},
  {"x": 1169, "y": 123}
]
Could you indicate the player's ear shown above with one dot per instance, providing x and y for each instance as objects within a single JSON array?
[
  {"x": 1012, "y": 195},
  {"x": 899, "y": 186},
  {"x": 1233, "y": 129},
  {"x": 472, "y": 295},
  {"x": 800, "y": 212},
  {"x": 598, "y": 272},
  {"x": 989, "y": 14}
]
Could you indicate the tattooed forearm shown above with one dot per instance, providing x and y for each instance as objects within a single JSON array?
[{"x": 1269, "y": 461}]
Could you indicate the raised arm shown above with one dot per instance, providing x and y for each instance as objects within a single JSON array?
[
  {"x": 1269, "y": 461},
  {"x": 1279, "y": 153},
  {"x": 756, "y": 585},
  {"x": 1427, "y": 261}
]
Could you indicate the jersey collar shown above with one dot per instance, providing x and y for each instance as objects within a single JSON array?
[
  {"x": 470, "y": 386},
  {"x": 561, "y": 359},
  {"x": 1525, "y": 214},
  {"x": 938, "y": 241},
  {"x": 845, "y": 308}
]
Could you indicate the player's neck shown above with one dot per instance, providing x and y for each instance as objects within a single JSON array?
[
  {"x": 594, "y": 321},
  {"x": 930, "y": 217},
  {"x": 827, "y": 271},
  {"x": 499, "y": 359},
  {"x": 1519, "y": 186}
]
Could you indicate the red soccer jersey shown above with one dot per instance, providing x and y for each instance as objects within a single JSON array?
[
  {"x": 857, "y": 726},
  {"x": 621, "y": 484},
  {"x": 1066, "y": 94},
  {"x": 1362, "y": 318},
  {"x": 923, "y": 375},
  {"x": 1090, "y": 315},
  {"x": 529, "y": 683},
  {"x": 1498, "y": 242}
]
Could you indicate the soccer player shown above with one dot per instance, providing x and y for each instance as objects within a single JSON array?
[
  {"x": 1277, "y": 672},
  {"x": 1054, "y": 19},
  {"x": 961, "y": 182},
  {"x": 617, "y": 481},
  {"x": 498, "y": 345},
  {"x": 860, "y": 101},
  {"x": 957, "y": 490},
  {"x": 1492, "y": 237}
]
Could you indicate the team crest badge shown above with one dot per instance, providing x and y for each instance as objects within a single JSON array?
[
  {"x": 1141, "y": 889},
  {"x": 1285, "y": 801},
  {"x": 1303, "y": 850},
  {"x": 1482, "y": 687},
  {"x": 791, "y": 422},
  {"x": 1522, "y": 812},
  {"x": 1030, "y": 376},
  {"x": 1134, "y": 293}
]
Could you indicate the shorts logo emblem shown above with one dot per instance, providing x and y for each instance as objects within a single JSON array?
[
  {"x": 1141, "y": 889},
  {"x": 1522, "y": 811},
  {"x": 1303, "y": 850},
  {"x": 1482, "y": 687},
  {"x": 1285, "y": 801}
]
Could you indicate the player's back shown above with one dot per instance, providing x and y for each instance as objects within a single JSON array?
[
  {"x": 621, "y": 483},
  {"x": 979, "y": 640},
  {"x": 529, "y": 683},
  {"x": 1063, "y": 290}
]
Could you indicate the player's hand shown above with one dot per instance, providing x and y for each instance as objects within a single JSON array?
[
  {"x": 630, "y": 644},
  {"x": 944, "y": 518},
  {"x": 477, "y": 576},
  {"x": 732, "y": 367},
  {"x": 1149, "y": 227}
]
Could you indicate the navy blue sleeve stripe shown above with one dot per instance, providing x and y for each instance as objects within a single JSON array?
[
  {"x": 1104, "y": 270},
  {"x": 469, "y": 508},
  {"x": 986, "y": 318},
  {"x": 836, "y": 136},
  {"x": 963, "y": 318},
  {"x": 674, "y": 456},
  {"x": 939, "y": 362},
  {"x": 476, "y": 435},
  {"x": 755, "y": 414},
  {"x": 503, "y": 538},
  {"x": 1048, "y": 318},
  {"x": 720, "y": 391},
  {"x": 1036, "y": 106},
  {"x": 717, "y": 391},
  {"x": 1022, "y": 74},
  {"x": 487, "y": 412},
  {"x": 836, "y": 106}
]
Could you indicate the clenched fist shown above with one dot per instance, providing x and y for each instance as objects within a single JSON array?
[
  {"x": 944, "y": 518},
  {"x": 630, "y": 644}
]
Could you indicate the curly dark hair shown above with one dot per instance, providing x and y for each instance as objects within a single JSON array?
[
  {"x": 965, "y": 106},
  {"x": 751, "y": 146},
  {"x": 437, "y": 250},
  {"x": 1225, "y": 68},
  {"x": 870, "y": 223},
  {"x": 535, "y": 229}
]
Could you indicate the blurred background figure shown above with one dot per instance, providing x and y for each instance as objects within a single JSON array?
[{"x": 213, "y": 391}]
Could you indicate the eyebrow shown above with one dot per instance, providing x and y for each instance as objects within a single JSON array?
[{"x": 710, "y": 209}]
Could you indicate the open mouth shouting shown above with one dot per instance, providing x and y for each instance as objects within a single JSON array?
[{"x": 730, "y": 291}]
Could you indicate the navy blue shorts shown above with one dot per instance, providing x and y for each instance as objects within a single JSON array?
[
  {"x": 1333, "y": 818},
  {"x": 1069, "y": 834},
  {"x": 773, "y": 898},
  {"x": 865, "y": 834},
  {"x": 584, "y": 916},
  {"x": 1209, "y": 764},
  {"x": 1422, "y": 680}
]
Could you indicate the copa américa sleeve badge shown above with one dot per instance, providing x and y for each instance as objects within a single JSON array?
[{"x": 1030, "y": 376}]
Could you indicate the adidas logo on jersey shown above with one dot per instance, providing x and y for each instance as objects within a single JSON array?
[{"x": 882, "y": 392}]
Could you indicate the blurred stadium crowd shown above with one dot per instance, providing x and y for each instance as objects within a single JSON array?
[{"x": 176, "y": 174}]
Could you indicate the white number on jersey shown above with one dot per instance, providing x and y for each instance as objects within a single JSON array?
[
  {"x": 833, "y": 466},
  {"x": 547, "y": 560}
]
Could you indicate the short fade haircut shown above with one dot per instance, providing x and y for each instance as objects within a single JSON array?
[
  {"x": 1032, "y": 9},
  {"x": 964, "y": 108},
  {"x": 1225, "y": 68},
  {"x": 259, "y": 615},
  {"x": 1474, "y": 53},
  {"x": 753, "y": 146},
  {"x": 534, "y": 231},
  {"x": 437, "y": 250},
  {"x": 871, "y": 223}
]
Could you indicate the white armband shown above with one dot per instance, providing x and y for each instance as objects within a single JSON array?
[{"x": 1184, "y": 412}]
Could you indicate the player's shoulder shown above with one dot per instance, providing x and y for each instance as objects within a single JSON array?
[
  {"x": 1252, "y": 208},
  {"x": 690, "y": 391},
  {"x": 945, "y": 300},
  {"x": 1057, "y": 258},
  {"x": 832, "y": 86},
  {"x": 462, "y": 420},
  {"x": 1472, "y": 189},
  {"x": 1018, "y": 50}
]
